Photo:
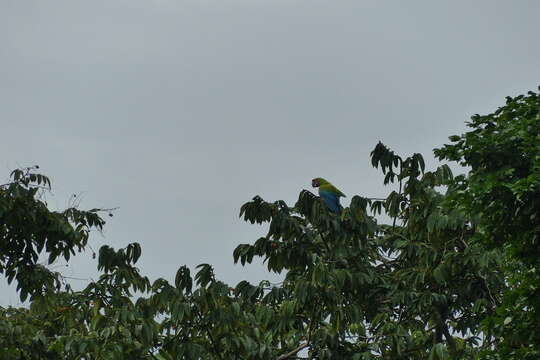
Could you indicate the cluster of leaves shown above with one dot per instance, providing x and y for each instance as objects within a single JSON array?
[
  {"x": 352, "y": 289},
  {"x": 417, "y": 289},
  {"x": 439, "y": 282},
  {"x": 502, "y": 194},
  {"x": 28, "y": 229}
]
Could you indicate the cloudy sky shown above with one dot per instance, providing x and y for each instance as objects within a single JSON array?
[{"x": 180, "y": 111}]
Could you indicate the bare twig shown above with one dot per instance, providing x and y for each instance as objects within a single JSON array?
[
  {"x": 294, "y": 351},
  {"x": 400, "y": 187}
]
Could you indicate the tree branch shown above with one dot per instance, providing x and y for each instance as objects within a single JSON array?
[
  {"x": 301, "y": 346},
  {"x": 293, "y": 352},
  {"x": 212, "y": 341},
  {"x": 400, "y": 188},
  {"x": 449, "y": 339}
]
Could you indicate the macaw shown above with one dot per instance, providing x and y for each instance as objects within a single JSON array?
[{"x": 329, "y": 193}]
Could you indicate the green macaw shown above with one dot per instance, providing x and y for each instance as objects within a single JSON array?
[{"x": 329, "y": 193}]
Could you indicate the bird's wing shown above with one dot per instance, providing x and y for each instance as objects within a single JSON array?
[
  {"x": 332, "y": 189},
  {"x": 331, "y": 200}
]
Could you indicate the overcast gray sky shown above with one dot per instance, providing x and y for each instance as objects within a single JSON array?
[{"x": 180, "y": 111}]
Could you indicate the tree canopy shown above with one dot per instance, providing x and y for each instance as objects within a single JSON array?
[{"x": 454, "y": 275}]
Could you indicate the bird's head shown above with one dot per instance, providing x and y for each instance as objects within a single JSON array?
[{"x": 318, "y": 182}]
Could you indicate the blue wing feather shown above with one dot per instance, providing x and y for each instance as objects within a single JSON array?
[{"x": 331, "y": 200}]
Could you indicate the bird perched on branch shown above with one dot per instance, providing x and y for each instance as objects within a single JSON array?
[{"x": 329, "y": 193}]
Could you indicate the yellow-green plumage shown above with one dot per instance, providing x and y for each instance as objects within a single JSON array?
[{"x": 329, "y": 193}]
